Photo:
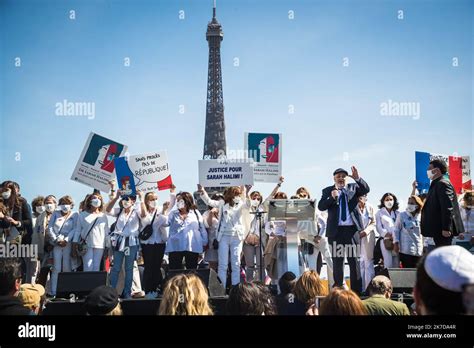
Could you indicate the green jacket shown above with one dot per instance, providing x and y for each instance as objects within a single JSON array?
[{"x": 379, "y": 305}]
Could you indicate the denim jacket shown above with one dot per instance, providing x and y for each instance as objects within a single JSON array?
[{"x": 408, "y": 235}]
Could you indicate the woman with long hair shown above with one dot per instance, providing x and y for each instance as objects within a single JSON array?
[
  {"x": 187, "y": 234},
  {"x": 185, "y": 294},
  {"x": 230, "y": 232}
]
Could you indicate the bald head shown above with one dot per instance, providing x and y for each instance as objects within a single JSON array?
[{"x": 380, "y": 285}]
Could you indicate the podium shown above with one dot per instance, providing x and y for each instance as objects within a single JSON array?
[{"x": 291, "y": 211}]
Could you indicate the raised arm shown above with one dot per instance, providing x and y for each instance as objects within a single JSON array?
[{"x": 205, "y": 197}]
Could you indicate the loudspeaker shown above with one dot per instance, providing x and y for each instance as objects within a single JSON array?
[
  {"x": 79, "y": 283},
  {"x": 403, "y": 279},
  {"x": 64, "y": 308},
  {"x": 208, "y": 276}
]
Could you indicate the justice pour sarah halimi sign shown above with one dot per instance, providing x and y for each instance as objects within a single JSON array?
[
  {"x": 265, "y": 150},
  {"x": 222, "y": 173},
  {"x": 145, "y": 172},
  {"x": 95, "y": 167}
]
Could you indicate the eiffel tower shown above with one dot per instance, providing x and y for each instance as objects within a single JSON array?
[{"x": 214, "y": 137}]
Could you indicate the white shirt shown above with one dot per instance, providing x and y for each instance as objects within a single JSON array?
[
  {"x": 98, "y": 236},
  {"x": 467, "y": 216},
  {"x": 230, "y": 218},
  {"x": 128, "y": 225},
  {"x": 211, "y": 229},
  {"x": 62, "y": 227},
  {"x": 188, "y": 234},
  {"x": 385, "y": 222},
  {"x": 160, "y": 232}
]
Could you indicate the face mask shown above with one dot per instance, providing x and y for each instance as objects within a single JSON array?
[
  {"x": 388, "y": 204},
  {"x": 236, "y": 200},
  {"x": 39, "y": 209},
  {"x": 430, "y": 174},
  {"x": 411, "y": 208},
  {"x": 65, "y": 208},
  {"x": 50, "y": 207},
  {"x": 95, "y": 202},
  {"x": 126, "y": 204},
  {"x": 6, "y": 194},
  {"x": 180, "y": 204},
  {"x": 152, "y": 204},
  {"x": 255, "y": 202}
]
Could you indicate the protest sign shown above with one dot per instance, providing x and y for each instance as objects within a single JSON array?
[
  {"x": 95, "y": 166},
  {"x": 146, "y": 172},
  {"x": 221, "y": 173},
  {"x": 265, "y": 150}
]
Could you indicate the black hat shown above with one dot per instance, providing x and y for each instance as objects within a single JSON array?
[
  {"x": 340, "y": 170},
  {"x": 101, "y": 300}
]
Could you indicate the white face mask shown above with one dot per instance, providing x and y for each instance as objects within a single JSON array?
[
  {"x": 152, "y": 204},
  {"x": 180, "y": 204},
  {"x": 388, "y": 204},
  {"x": 126, "y": 204},
  {"x": 95, "y": 202},
  {"x": 65, "y": 208},
  {"x": 50, "y": 207},
  {"x": 236, "y": 200},
  {"x": 411, "y": 208},
  {"x": 39, "y": 209},
  {"x": 6, "y": 194},
  {"x": 430, "y": 174},
  {"x": 255, "y": 202}
]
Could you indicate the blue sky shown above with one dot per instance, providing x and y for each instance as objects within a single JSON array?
[{"x": 283, "y": 62}]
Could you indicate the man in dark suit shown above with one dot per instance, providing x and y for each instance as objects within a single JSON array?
[
  {"x": 440, "y": 216},
  {"x": 340, "y": 200}
]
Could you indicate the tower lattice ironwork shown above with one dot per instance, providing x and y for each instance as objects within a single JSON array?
[{"x": 214, "y": 138}]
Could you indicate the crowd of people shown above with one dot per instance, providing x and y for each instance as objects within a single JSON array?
[{"x": 126, "y": 234}]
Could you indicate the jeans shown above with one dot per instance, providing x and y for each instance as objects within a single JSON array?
[
  {"x": 62, "y": 263},
  {"x": 234, "y": 245},
  {"x": 119, "y": 257},
  {"x": 152, "y": 257}
]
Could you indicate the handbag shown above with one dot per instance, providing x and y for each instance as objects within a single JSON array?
[
  {"x": 388, "y": 244},
  {"x": 112, "y": 227},
  {"x": 148, "y": 230},
  {"x": 82, "y": 246},
  {"x": 252, "y": 239},
  {"x": 215, "y": 242}
]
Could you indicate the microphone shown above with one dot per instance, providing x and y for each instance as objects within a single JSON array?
[{"x": 338, "y": 195}]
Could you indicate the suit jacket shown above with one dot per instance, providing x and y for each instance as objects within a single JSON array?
[
  {"x": 441, "y": 210},
  {"x": 327, "y": 202}
]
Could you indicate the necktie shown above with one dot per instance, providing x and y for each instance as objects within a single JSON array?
[{"x": 342, "y": 203}]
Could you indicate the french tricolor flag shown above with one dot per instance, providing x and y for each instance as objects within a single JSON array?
[{"x": 459, "y": 171}]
